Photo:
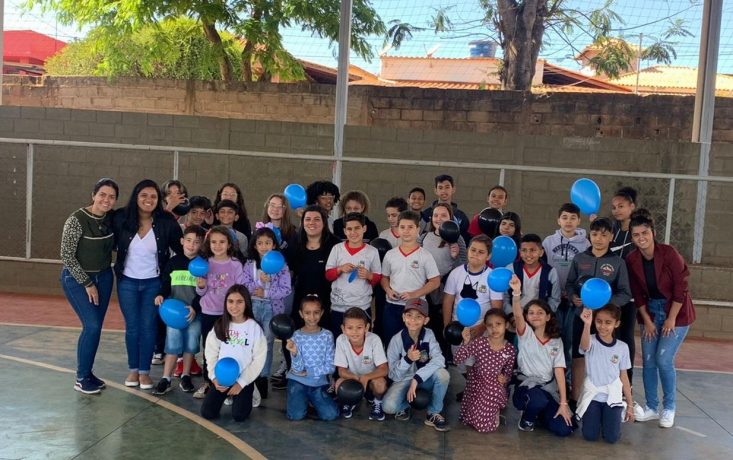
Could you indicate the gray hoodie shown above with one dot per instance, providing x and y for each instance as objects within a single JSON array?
[
  {"x": 609, "y": 267},
  {"x": 561, "y": 251}
]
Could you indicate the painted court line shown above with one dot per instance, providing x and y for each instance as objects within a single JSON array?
[
  {"x": 63, "y": 328},
  {"x": 242, "y": 446},
  {"x": 687, "y": 430}
]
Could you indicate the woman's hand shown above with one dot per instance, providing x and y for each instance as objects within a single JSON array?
[
  {"x": 650, "y": 330},
  {"x": 93, "y": 294},
  {"x": 668, "y": 327}
]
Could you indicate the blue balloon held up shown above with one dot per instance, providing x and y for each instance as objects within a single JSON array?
[
  {"x": 504, "y": 251},
  {"x": 272, "y": 262},
  {"x": 499, "y": 279},
  {"x": 174, "y": 313},
  {"x": 586, "y": 195},
  {"x": 595, "y": 293},
  {"x": 226, "y": 372},
  {"x": 198, "y": 267},
  {"x": 295, "y": 193},
  {"x": 468, "y": 312}
]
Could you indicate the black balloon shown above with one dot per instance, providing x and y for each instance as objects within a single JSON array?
[
  {"x": 350, "y": 392},
  {"x": 488, "y": 221},
  {"x": 282, "y": 326},
  {"x": 449, "y": 231},
  {"x": 182, "y": 208},
  {"x": 421, "y": 399},
  {"x": 452, "y": 333},
  {"x": 382, "y": 246}
]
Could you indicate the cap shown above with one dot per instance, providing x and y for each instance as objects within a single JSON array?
[{"x": 417, "y": 304}]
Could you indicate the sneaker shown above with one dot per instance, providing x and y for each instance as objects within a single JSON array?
[
  {"x": 644, "y": 414},
  {"x": 186, "y": 384},
  {"x": 179, "y": 368},
  {"x": 99, "y": 382},
  {"x": 196, "y": 369},
  {"x": 229, "y": 401},
  {"x": 667, "y": 419},
  {"x": 157, "y": 359},
  {"x": 347, "y": 410},
  {"x": 256, "y": 398},
  {"x": 403, "y": 415},
  {"x": 279, "y": 374},
  {"x": 87, "y": 386},
  {"x": 377, "y": 413},
  {"x": 201, "y": 392},
  {"x": 524, "y": 425},
  {"x": 437, "y": 421},
  {"x": 163, "y": 387}
]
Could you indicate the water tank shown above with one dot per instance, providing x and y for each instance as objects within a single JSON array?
[{"x": 482, "y": 48}]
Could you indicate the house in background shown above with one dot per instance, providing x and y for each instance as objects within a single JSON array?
[
  {"x": 678, "y": 80},
  {"x": 25, "y": 52}
]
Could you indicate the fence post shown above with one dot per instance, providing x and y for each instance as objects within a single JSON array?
[
  {"x": 670, "y": 206},
  {"x": 176, "y": 159},
  {"x": 28, "y": 200}
]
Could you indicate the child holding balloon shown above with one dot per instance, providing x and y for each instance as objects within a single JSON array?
[
  {"x": 267, "y": 277},
  {"x": 224, "y": 272},
  {"x": 541, "y": 393},
  {"x": 236, "y": 335},
  {"x": 490, "y": 372}
]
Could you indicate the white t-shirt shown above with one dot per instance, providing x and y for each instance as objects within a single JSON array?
[
  {"x": 604, "y": 363},
  {"x": 371, "y": 357},
  {"x": 241, "y": 343},
  {"x": 408, "y": 272},
  {"x": 358, "y": 292},
  {"x": 142, "y": 257},
  {"x": 537, "y": 361},
  {"x": 388, "y": 235},
  {"x": 530, "y": 285},
  {"x": 460, "y": 277}
]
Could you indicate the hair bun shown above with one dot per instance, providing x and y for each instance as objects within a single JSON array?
[{"x": 627, "y": 192}]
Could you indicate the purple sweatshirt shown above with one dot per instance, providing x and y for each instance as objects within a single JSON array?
[
  {"x": 221, "y": 276},
  {"x": 276, "y": 290}
]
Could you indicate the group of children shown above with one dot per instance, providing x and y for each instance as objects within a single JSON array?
[{"x": 527, "y": 336}]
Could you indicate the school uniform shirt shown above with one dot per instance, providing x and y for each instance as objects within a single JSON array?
[
  {"x": 365, "y": 362},
  {"x": 401, "y": 368},
  {"x": 532, "y": 287},
  {"x": 390, "y": 236},
  {"x": 408, "y": 271},
  {"x": 604, "y": 363},
  {"x": 537, "y": 361},
  {"x": 247, "y": 344},
  {"x": 561, "y": 251},
  {"x": 462, "y": 284},
  {"x": 347, "y": 292}
]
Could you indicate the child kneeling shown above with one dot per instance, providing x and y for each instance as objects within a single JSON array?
[{"x": 415, "y": 361}]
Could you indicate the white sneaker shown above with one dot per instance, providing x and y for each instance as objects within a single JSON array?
[
  {"x": 157, "y": 359},
  {"x": 667, "y": 419},
  {"x": 229, "y": 401},
  {"x": 256, "y": 398},
  {"x": 644, "y": 414}
]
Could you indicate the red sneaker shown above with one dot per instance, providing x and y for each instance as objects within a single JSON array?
[
  {"x": 179, "y": 368},
  {"x": 195, "y": 369}
]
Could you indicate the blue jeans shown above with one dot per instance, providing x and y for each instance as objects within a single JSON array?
[
  {"x": 300, "y": 395},
  {"x": 391, "y": 321},
  {"x": 141, "y": 328},
  {"x": 658, "y": 355},
  {"x": 90, "y": 315},
  {"x": 395, "y": 399},
  {"x": 262, "y": 310},
  {"x": 536, "y": 405},
  {"x": 186, "y": 340},
  {"x": 600, "y": 418}
]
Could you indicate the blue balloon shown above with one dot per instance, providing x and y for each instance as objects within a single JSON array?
[
  {"x": 595, "y": 293},
  {"x": 174, "y": 313},
  {"x": 295, "y": 193},
  {"x": 586, "y": 195},
  {"x": 504, "y": 251},
  {"x": 198, "y": 267},
  {"x": 468, "y": 312},
  {"x": 499, "y": 279},
  {"x": 226, "y": 372},
  {"x": 272, "y": 262}
]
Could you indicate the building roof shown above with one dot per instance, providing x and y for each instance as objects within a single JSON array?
[
  {"x": 672, "y": 80},
  {"x": 29, "y": 47}
]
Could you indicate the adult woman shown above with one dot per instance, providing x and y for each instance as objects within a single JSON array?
[
  {"x": 86, "y": 251},
  {"x": 231, "y": 191},
  {"x": 144, "y": 236},
  {"x": 308, "y": 256},
  {"x": 658, "y": 275}
]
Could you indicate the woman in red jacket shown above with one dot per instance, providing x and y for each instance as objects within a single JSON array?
[{"x": 658, "y": 276}]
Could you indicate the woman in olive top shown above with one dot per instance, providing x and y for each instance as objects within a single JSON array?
[{"x": 86, "y": 252}]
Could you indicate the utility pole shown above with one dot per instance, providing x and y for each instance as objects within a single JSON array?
[{"x": 342, "y": 89}]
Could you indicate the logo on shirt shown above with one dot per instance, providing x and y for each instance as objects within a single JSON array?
[
  {"x": 607, "y": 270},
  {"x": 367, "y": 360},
  {"x": 424, "y": 356},
  {"x": 415, "y": 264},
  {"x": 615, "y": 359},
  {"x": 554, "y": 351},
  {"x": 482, "y": 288},
  {"x": 236, "y": 339}
]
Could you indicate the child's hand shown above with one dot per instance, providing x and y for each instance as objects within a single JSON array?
[
  {"x": 291, "y": 347},
  {"x": 173, "y": 200},
  {"x": 158, "y": 300},
  {"x": 191, "y": 314},
  {"x": 407, "y": 295},
  {"x": 413, "y": 354},
  {"x": 364, "y": 274},
  {"x": 391, "y": 294},
  {"x": 219, "y": 387},
  {"x": 577, "y": 301},
  {"x": 564, "y": 412},
  {"x": 454, "y": 249},
  {"x": 259, "y": 292},
  {"x": 411, "y": 392},
  {"x": 346, "y": 268},
  {"x": 515, "y": 284},
  {"x": 503, "y": 379},
  {"x": 466, "y": 334},
  {"x": 265, "y": 278},
  {"x": 200, "y": 282},
  {"x": 209, "y": 218},
  {"x": 364, "y": 381},
  {"x": 629, "y": 417},
  {"x": 587, "y": 316},
  {"x": 235, "y": 389}
]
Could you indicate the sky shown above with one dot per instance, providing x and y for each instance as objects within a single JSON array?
[{"x": 649, "y": 17}]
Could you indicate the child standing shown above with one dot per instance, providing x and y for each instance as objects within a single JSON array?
[
  {"x": 227, "y": 213},
  {"x": 393, "y": 207},
  {"x": 268, "y": 293},
  {"x": 224, "y": 272},
  {"x": 355, "y": 201},
  {"x": 541, "y": 394},
  {"x": 416, "y": 202},
  {"x": 486, "y": 392},
  {"x": 235, "y": 335},
  {"x": 539, "y": 280},
  {"x": 199, "y": 214},
  {"x": 350, "y": 288},
  {"x": 497, "y": 198},
  {"x": 177, "y": 282},
  {"x": 312, "y": 351},
  {"x": 415, "y": 361},
  {"x": 408, "y": 272},
  {"x": 601, "y": 405},
  {"x": 360, "y": 356}
]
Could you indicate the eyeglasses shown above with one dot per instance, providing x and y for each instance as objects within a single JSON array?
[{"x": 275, "y": 206}]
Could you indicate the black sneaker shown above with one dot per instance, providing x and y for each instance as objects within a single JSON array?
[
  {"x": 376, "y": 413},
  {"x": 186, "y": 384},
  {"x": 347, "y": 410},
  {"x": 437, "y": 421},
  {"x": 100, "y": 383},
  {"x": 524, "y": 425},
  {"x": 87, "y": 386},
  {"x": 163, "y": 387},
  {"x": 403, "y": 415}
]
